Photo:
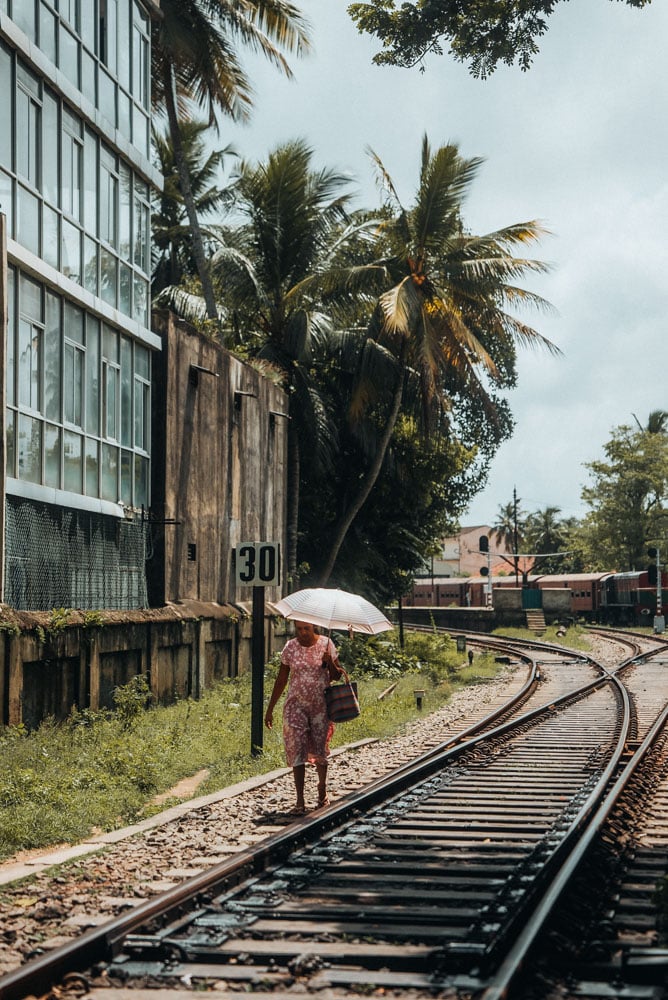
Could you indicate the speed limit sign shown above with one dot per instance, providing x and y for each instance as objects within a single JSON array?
[{"x": 258, "y": 564}]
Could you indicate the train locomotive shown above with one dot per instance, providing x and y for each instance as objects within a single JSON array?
[{"x": 606, "y": 598}]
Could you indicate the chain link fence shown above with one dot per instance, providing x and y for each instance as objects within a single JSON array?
[{"x": 59, "y": 558}]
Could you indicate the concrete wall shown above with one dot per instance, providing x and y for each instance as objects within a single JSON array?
[
  {"x": 181, "y": 649},
  {"x": 219, "y": 466}
]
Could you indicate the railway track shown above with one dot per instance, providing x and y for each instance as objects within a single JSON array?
[{"x": 442, "y": 878}]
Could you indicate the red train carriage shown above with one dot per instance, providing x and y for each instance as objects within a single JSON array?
[{"x": 630, "y": 598}]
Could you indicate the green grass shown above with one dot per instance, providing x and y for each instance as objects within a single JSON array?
[
  {"x": 576, "y": 636},
  {"x": 101, "y": 770}
]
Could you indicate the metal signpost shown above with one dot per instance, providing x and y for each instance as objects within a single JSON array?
[
  {"x": 659, "y": 621},
  {"x": 258, "y": 565}
]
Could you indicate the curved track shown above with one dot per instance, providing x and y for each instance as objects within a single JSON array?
[{"x": 437, "y": 878}]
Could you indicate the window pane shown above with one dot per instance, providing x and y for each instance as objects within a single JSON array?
[
  {"x": 27, "y": 220},
  {"x": 126, "y": 477},
  {"x": 108, "y": 276},
  {"x": 11, "y": 339},
  {"x": 6, "y": 108},
  {"x": 108, "y": 33},
  {"x": 10, "y": 444},
  {"x": 23, "y": 14},
  {"x": 71, "y": 251},
  {"x": 141, "y": 235},
  {"x": 141, "y": 481},
  {"x": 69, "y": 56},
  {"x": 7, "y": 200},
  {"x": 90, "y": 183},
  {"x": 125, "y": 115},
  {"x": 124, "y": 61},
  {"x": 92, "y": 469},
  {"x": 109, "y": 473},
  {"x": 30, "y": 293},
  {"x": 92, "y": 375},
  {"x": 107, "y": 90},
  {"x": 108, "y": 199},
  {"x": 110, "y": 344},
  {"x": 142, "y": 361},
  {"x": 50, "y": 236},
  {"x": 73, "y": 384},
  {"x": 88, "y": 77},
  {"x": 71, "y": 172},
  {"x": 140, "y": 311},
  {"x": 125, "y": 212},
  {"x": 52, "y": 343},
  {"x": 126, "y": 392},
  {"x": 30, "y": 449},
  {"x": 141, "y": 415},
  {"x": 51, "y": 133},
  {"x": 90, "y": 265},
  {"x": 27, "y": 136},
  {"x": 30, "y": 365},
  {"x": 74, "y": 323},
  {"x": 88, "y": 24},
  {"x": 72, "y": 462},
  {"x": 125, "y": 301},
  {"x": 52, "y": 456},
  {"x": 47, "y": 33},
  {"x": 111, "y": 402},
  {"x": 139, "y": 68},
  {"x": 140, "y": 129}
]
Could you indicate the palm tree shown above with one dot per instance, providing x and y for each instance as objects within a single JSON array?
[
  {"x": 273, "y": 269},
  {"x": 194, "y": 60},
  {"x": 169, "y": 221},
  {"x": 443, "y": 321},
  {"x": 657, "y": 422},
  {"x": 546, "y": 535},
  {"x": 509, "y": 529}
]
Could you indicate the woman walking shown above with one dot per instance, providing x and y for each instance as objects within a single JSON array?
[{"x": 309, "y": 662}]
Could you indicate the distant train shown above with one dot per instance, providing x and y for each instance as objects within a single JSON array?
[{"x": 608, "y": 598}]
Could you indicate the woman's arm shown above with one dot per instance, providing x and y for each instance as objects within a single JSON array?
[
  {"x": 279, "y": 687},
  {"x": 330, "y": 660}
]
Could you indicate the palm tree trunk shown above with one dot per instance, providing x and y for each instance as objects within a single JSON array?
[
  {"x": 293, "y": 504},
  {"x": 369, "y": 480},
  {"x": 186, "y": 190}
]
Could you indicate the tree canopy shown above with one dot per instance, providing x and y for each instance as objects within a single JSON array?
[
  {"x": 482, "y": 33},
  {"x": 627, "y": 498}
]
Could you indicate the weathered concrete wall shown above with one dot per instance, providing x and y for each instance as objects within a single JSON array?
[
  {"x": 219, "y": 466},
  {"x": 556, "y": 603},
  {"x": 181, "y": 649}
]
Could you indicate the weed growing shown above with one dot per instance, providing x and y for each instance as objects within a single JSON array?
[
  {"x": 575, "y": 636},
  {"x": 102, "y": 769}
]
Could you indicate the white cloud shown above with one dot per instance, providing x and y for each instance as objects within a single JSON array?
[{"x": 580, "y": 142}]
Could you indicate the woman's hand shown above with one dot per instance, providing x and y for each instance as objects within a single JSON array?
[{"x": 269, "y": 718}]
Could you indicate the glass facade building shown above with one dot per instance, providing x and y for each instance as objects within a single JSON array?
[{"x": 75, "y": 179}]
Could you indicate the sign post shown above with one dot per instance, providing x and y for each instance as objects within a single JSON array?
[{"x": 258, "y": 565}]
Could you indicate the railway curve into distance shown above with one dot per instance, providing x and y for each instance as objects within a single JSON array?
[{"x": 452, "y": 876}]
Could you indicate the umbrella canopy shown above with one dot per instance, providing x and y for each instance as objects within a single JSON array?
[{"x": 333, "y": 609}]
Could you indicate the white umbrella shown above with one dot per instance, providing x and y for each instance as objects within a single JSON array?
[{"x": 333, "y": 609}]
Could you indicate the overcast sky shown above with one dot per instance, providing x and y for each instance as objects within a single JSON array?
[{"x": 580, "y": 142}]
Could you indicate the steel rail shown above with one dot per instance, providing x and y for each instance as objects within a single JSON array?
[
  {"x": 97, "y": 944},
  {"x": 104, "y": 941},
  {"x": 515, "y": 962}
]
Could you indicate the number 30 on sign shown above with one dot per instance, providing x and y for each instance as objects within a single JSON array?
[{"x": 258, "y": 564}]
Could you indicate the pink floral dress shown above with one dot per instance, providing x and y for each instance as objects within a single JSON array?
[{"x": 306, "y": 729}]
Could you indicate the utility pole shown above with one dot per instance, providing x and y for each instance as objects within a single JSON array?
[
  {"x": 516, "y": 544},
  {"x": 659, "y": 621}
]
